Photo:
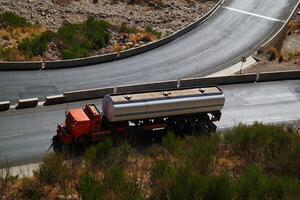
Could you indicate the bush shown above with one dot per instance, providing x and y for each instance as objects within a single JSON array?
[
  {"x": 120, "y": 185},
  {"x": 12, "y": 20},
  {"x": 254, "y": 184},
  {"x": 52, "y": 169},
  {"x": 78, "y": 40},
  {"x": 32, "y": 47},
  {"x": 37, "y": 45},
  {"x": 274, "y": 147},
  {"x": 171, "y": 143},
  {"x": 96, "y": 32},
  {"x": 200, "y": 153},
  {"x": 258, "y": 142},
  {"x": 89, "y": 188},
  {"x": 182, "y": 182},
  {"x": 217, "y": 187},
  {"x": 98, "y": 153},
  {"x": 197, "y": 152}
]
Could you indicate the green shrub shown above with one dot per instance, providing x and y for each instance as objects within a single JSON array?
[
  {"x": 32, "y": 47},
  {"x": 216, "y": 187},
  {"x": 89, "y": 188},
  {"x": 197, "y": 152},
  {"x": 200, "y": 153},
  {"x": 258, "y": 142},
  {"x": 274, "y": 147},
  {"x": 12, "y": 20},
  {"x": 149, "y": 29},
  {"x": 75, "y": 52},
  {"x": 289, "y": 161},
  {"x": 98, "y": 153},
  {"x": 78, "y": 40},
  {"x": 159, "y": 169},
  {"x": 120, "y": 185},
  {"x": 171, "y": 143},
  {"x": 254, "y": 184},
  {"x": 182, "y": 182},
  {"x": 52, "y": 169},
  {"x": 96, "y": 32},
  {"x": 37, "y": 45},
  {"x": 5, "y": 54}
]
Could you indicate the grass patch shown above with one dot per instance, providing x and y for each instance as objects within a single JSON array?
[{"x": 150, "y": 29}]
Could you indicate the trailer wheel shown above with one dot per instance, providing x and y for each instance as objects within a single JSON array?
[
  {"x": 57, "y": 147},
  {"x": 135, "y": 135}
]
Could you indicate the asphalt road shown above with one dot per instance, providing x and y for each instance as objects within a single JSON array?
[
  {"x": 234, "y": 31},
  {"x": 26, "y": 134}
]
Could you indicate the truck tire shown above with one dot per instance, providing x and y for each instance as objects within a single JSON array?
[{"x": 57, "y": 147}]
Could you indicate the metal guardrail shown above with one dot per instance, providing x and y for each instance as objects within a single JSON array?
[
  {"x": 95, "y": 93},
  {"x": 80, "y": 62}
]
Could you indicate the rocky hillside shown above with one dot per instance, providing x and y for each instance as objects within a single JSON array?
[{"x": 164, "y": 17}]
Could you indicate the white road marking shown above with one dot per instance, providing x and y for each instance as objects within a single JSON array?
[
  {"x": 253, "y": 14},
  {"x": 10, "y": 136}
]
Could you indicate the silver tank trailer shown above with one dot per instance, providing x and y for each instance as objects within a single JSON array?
[{"x": 146, "y": 105}]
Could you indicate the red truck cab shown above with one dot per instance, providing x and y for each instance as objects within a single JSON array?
[{"x": 79, "y": 124}]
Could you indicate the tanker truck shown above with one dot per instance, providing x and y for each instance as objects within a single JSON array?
[{"x": 137, "y": 115}]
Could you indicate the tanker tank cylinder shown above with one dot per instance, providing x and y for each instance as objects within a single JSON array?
[{"x": 147, "y": 105}]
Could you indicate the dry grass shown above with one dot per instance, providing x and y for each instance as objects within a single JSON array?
[
  {"x": 293, "y": 27},
  {"x": 133, "y": 39},
  {"x": 13, "y": 36}
]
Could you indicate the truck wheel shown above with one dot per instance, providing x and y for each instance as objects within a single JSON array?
[
  {"x": 57, "y": 147},
  {"x": 82, "y": 143}
]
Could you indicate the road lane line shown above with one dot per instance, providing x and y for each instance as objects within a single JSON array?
[
  {"x": 10, "y": 136},
  {"x": 253, "y": 14}
]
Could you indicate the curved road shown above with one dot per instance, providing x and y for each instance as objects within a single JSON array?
[
  {"x": 26, "y": 134},
  {"x": 234, "y": 31}
]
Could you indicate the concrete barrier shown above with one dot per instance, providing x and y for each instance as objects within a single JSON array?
[
  {"x": 278, "y": 76},
  {"x": 221, "y": 80},
  {"x": 55, "y": 99},
  {"x": 87, "y": 94},
  {"x": 20, "y": 66},
  {"x": 27, "y": 103},
  {"x": 80, "y": 61},
  {"x": 4, "y": 105},
  {"x": 147, "y": 87}
]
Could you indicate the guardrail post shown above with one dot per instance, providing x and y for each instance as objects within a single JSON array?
[
  {"x": 257, "y": 77},
  {"x": 178, "y": 83}
]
